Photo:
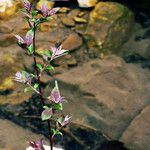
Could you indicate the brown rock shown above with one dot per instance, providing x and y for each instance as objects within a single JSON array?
[
  {"x": 6, "y": 39},
  {"x": 68, "y": 22},
  {"x": 71, "y": 61},
  {"x": 19, "y": 136},
  {"x": 80, "y": 20},
  {"x": 5, "y": 29},
  {"x": 108, "y": 94},
  {"x": 137, "y": 135},
  {"x": 74, "y": 41},
  {"x": 73, "y": 13}
]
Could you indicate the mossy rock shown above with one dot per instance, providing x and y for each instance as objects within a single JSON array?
[{"x": 109, "y": 26}]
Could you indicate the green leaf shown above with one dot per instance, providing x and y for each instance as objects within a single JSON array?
[
  {"x": 39, "y": 66},
  {"x": 32, "y": 75},
  {"x": 57, "y": 106},
  {"x": 34, "y": 20},
  {"x": 36, "y": 85},
  {"x": 48, "y": 68},
  {"x": 47, "y": 53},
  {"x": 30, "y": 49},
  {"x": 27, "y": 89},
  {"x": 60, "y": 120},
  {"x": 46, "y": 114},
  {"x": 45, "y": 107},
  {"x": 59, "y": 133},
  {"x": 53, "y": 131},
  {"x": 34, "y": 13}
]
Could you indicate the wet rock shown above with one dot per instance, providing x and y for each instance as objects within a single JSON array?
[
  {"x": 110, "y": 93},
  {"x": 137, "y": 135},
  {"x": 107, "y": 30},
  {"x": 74, "y": 41}
]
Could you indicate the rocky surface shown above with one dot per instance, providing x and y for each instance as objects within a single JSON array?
[
  {"x": 107, "y": 30},
  {"x": 106, "y": 94},
  {"x": 137, "y": 134},
  {"x": 110, "y": 93},
  {"x": 13, "y": 137}
]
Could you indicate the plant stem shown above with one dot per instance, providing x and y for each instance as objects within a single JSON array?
[{"x": 39, "y": 82}]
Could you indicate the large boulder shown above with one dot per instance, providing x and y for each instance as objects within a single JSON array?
[
  {"x": 105, "y": 94},
  {"x": 109, "y": 27}
]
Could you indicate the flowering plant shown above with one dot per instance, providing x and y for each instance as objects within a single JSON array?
[{"x": 33, "y": 80}]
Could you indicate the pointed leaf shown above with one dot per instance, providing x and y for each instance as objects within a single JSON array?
[
  {"x": 39, "y": 66},
  {"x": 46, "y": 114},
  {"x": 36, "y": 85},
  {"x": 57, "y": 106},
  {"x": 48, "y": 68},
  {"x": 27, "y": 89},
  {"x": 30, "y": 49},
  {"x": 34, "y": 13}
]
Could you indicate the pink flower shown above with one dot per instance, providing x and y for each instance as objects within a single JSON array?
[
  {"x": 57, "y": 52},
  {"x": 23, "y": 77},
  {"x": 26, "y": 41},
  {"x": 38, "y": 145},
  {"x": 48, "y": 12},
  {"x": 55, "y": 95},
  {"x": 64, "y": 121},
  {"x": 27, "y": 6}
]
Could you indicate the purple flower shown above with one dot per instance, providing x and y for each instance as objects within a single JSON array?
[
  {"x": 48, "y": 12},
  {"x": 55, "y": 95},
  {"x": 27, "y": 5},
  {"x": 63, "y": 121},
  {"x": 23, "y": 77},
  {"x": 26, "y": 41},
  {"x": 57, "y": 52},
  {"x": 38, "y": 145}
]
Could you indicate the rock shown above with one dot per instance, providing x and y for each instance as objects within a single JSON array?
[
  {"x": 19, "y": 136},
  {"x": 87, "y": 3},
  {"x": 69, "y": 22},
  {"x": 74, "y": 41},
  {"x": 80, "y": 20},
  {"x": 8, "y": 8},
  {"x": 73, "y": 13},
  {"x": 137, "y": 135},
  {"x": 71, "y": 61},
  {"x": 108, "y": 94},
  {"x": 5, "y": 29},
  {"x": 144, "y": 4},
  {"x": 48, "y": 3},
  {"x": 64, "y": 9},
  {"x": 108, "y": 30},
  {"x": 6, "y": 39},
  {"x": 138, "y": 43}
]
